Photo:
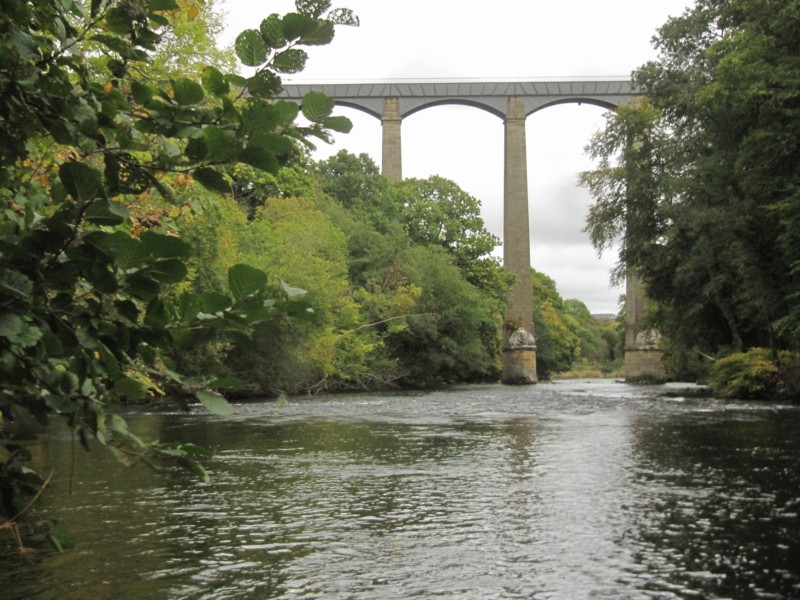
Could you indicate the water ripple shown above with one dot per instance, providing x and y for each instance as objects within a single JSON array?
[{"x": 574, "y": 490}]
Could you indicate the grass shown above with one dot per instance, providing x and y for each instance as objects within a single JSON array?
[{"x": 587, "y": 370}]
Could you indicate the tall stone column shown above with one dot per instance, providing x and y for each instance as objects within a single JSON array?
[
  {"x": 519, "y": 346},
  {"x": 643, "y": 354},
  {"x": 392, "y": 158}
]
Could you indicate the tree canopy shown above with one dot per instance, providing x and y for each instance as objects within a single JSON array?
[{"x": 700, "y": 177}]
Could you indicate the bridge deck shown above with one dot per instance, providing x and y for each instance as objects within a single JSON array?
[{"x": 416, "y": 94}]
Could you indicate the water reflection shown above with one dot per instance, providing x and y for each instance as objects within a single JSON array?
[{"x": 578, "y": 490}]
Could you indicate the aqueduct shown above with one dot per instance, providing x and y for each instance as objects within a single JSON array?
[{"x": 512, "y": 101}]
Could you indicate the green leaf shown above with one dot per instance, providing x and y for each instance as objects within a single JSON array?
[
  {"x": 245, "y": 280},
  {"x": 215, "y": 82},
  {"x": 292, "y": 60},
  {"x": 18, "y": 331},
  {"x": 272, "y": 31},
  {"x": 11, "y": 325},
  {"x": 128, "y": 310},
  {"x": 212, "y": 179},
  {"x": 196, "y": 148},
  {"x": 187, "y": 92},
  {"x": 236, "y": 80},
  {"x": 81, "y": 181},
  {"x": 338, "y": 123},
  {"x": 279, "y": 145},
  {"x": 110, "y": 361},
  {"x": 156, "y": 314},
  {"x": 60, "y": 404},
  {"x": 188, "y": 306},
  {"x": 62, "y": 540},
  {"x": 195, "y": 468},
  {"x": 106, "y": 212},
  {"x": 312, "y": 8},
  {"x": 142, "y": 286},
  {"x": 214, "y": 302},
  {"x": 164, "y": 246},
  {"x": 317, "y": 106},
  {"x": 102, "y": 278},
  {"x": 155, "y": 5},
  {"x": 320, "y": 36},
  {"x": 170, "y": 270},
  {"x": 215, "y": 403},
  {"x": 194, "y": 450},
  {"x": 133, "y": 390},
  {"x": 16, "y": 284},
  {"x": 296, "y": 25},
  {"x": 251, "y": 48},
  {"x": 22, "y": 415},
  {"x": 23, "y": 43},
  {"x": 118, "y": 425},
  {"x": 221, "y": 145},
  {"x": 131, "y": 253},
  {"x": 231, "y": 322},
  {"x": 343, "y": 16},
  {"x": 260, "y": 158},
  {"x": 262, "y": 118},
  {"x": 119, "y": 45},
  {"x": 29, "y": 336},
  {"x": 265, "y": 84}
]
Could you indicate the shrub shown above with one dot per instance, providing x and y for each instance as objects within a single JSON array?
[{"x": 745, "y": 375}]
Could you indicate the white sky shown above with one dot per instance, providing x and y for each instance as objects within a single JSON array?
[{"x": 501, "y": 39}]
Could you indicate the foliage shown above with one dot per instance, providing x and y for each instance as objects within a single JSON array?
[
  {"x": 396, "y": 237},
  {"x": 597, "y": 342},
  {"x": 295, "y": 241},
  {"x": 356, "y": 183},
  {"x": 569, "y": 340},
  {"x": 756, "y": 374},
  {"x": 435, "y": 211},
  {"x": 705, "y": 194},
  {"x": 556, "y": 342},
  {"x": 91, "y": 293},
  {"x": 388, "y": 310},
  {"x": 449, "y": 334},
  {"x": 188, "y": 43},
  {"x": 744, "y": 375}
]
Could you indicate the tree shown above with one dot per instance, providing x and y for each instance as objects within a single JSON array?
[
  {"x": 701, "y": 179},
  {"x": 89, "y": 309},
  {"x": 357, "y": 184},
  {"x": 436, "y": 211},
  {"x": 188, "y": 43},
  {"x": 452, "y": 331},
  {"x": 399, "y": 236},
  {"x": 557, "y": 345}
]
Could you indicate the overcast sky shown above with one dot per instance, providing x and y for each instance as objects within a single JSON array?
[{"x": 497, "y": 40}]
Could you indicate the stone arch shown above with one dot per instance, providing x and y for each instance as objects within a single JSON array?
[
  {"x": 456, "y": 102},
  {"x": 598, "y": 102},
  {"x": 359, "y": 107}
]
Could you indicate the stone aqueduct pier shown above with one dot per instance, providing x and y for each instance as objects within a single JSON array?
[{"x": 512, "y": 101}]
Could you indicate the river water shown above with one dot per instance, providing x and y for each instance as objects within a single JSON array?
[{"x": 579, "y": 489}]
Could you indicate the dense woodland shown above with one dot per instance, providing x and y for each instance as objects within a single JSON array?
[
  {"x": 700, "y": 182},
  {"x": 166, "y": 235}
]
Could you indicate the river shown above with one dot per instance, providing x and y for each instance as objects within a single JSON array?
[{"x": 577, "y": 489}]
